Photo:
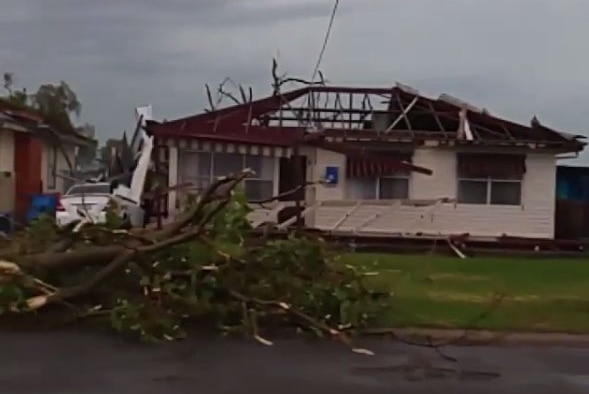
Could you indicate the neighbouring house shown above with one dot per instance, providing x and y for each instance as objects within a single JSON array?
[
  {"x": 116, "y": 155},
  {"x": 381, "y": 161},
  {"x": 86, "y": 155},
  {"x": 572, "y": 183},
  {"x": 33, "y": 158},
  {"x": 572, "y": 202}
]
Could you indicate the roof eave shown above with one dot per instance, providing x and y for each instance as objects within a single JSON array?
[{"x": 50, "y": 135}]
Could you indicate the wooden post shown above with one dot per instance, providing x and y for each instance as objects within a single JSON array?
[
  {"x": 157, "y": 192},
  {"x": 158, "y": 199},
  {"x": 299, "y": 182}
]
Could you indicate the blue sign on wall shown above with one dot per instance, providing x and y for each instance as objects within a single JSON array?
[{"x": 331, "y": 175}]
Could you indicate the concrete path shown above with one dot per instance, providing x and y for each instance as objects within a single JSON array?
[{"x": 64, "y": 363}]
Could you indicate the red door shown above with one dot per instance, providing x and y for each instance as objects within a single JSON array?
[{"x": 28, "y": 153}]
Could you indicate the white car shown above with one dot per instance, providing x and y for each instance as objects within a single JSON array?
[{"x": 91, "y": 200}]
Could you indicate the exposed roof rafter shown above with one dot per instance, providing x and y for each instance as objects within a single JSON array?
[{"x": 367, "y": 110}]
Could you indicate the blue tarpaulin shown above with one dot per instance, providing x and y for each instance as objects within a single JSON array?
[{"x": 41, "y": 203}]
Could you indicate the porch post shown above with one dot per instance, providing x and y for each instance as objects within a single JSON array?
[
  {"x": 299, "y": 181},
  {"x": 172, "y": 177},
  {"x": 311, "y": 190}
]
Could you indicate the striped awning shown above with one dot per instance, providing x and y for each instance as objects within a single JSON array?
[
  {"x": 362, "y": 162},
  {"x": 485, "y": 165},
  {"x": 199, "y": 145},
  {"x": 374, "y": 167}
]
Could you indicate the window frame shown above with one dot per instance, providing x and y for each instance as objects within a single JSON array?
[
  {"x": 375, "y": 186},
  {"x": 210, "y": 177},
  {"x": 258, "y": 178},
  {"x": 51, "y": 167},
  {"x": 489, "y": 189},
  {"x": 401, "y": 177}
]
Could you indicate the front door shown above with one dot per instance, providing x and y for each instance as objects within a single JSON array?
[
  {"x": 287, "y": 181},
  {"x": 287, "y": 177}
]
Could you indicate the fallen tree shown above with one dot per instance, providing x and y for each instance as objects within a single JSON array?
[{"x": 202, "y": 268}]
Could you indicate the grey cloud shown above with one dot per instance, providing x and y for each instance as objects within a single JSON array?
[
  {"x": 156, "y": 13},
  {"x": 515, "y": 57}
]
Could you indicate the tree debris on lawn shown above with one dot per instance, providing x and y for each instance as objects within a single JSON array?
[{"x": 204, "y": 268}]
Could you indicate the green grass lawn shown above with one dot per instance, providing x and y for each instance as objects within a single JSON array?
[{"x": 447, "y": 292}]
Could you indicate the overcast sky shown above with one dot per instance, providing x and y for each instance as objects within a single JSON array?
[{"x": 515, "y": 57}]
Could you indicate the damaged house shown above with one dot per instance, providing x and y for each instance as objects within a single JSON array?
[{"x": 379, "y": 161}]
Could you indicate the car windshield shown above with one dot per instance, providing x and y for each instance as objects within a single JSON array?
[{"x": 98, "y": 188}]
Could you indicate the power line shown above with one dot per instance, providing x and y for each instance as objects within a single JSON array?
[{"x": 325, "y": 40}]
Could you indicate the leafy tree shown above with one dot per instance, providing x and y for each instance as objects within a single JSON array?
[
  {"x": 18, "y": 98},
  {"x": 8, "y": 81},
  {"x": 55, "y": 102},
  {"x": 220, "y": 276}
]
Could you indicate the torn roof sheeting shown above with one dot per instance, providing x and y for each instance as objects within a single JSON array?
[
  {"x": 350, "y": 111},
  {"x": 460, "y": 103}
]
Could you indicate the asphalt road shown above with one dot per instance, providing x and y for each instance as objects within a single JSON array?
[{"x": 64, "y": 363}]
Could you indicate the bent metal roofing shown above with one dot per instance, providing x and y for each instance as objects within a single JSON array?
[{"x": 399, "y": 113}]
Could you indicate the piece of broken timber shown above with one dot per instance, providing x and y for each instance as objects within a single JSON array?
[
  {"x": 372, "y": 218},
  {"x": 454, "y": 248},
  {"x": 403, "y": 115},
  {"x": 270, "y": 214},
  {"x": 303, "y": 215},
  {"x": 345, "y": 216}
]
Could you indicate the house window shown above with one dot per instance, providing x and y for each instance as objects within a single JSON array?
[
  {"x": 261, "y": 185},
  {"x": 51, "y": 167},
  {"x": 490, "y": 179},
  {"x": 201, "y": 168},
  {"x": 489, "y": 191},
  {"x": 381, "y": 188},
  {"x": 204, "y": 169},
  {"x": 393, "y": 188}
]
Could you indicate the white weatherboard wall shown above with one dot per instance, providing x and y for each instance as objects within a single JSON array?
[
  {"x": 172, "y": 176},
  {"x": 317, "y": 161},
  {"x": 320, "y": 160},
  {"x": 61, "y": 167},
  {"x": 6, "y": 151},
  {"x": 7, "y": 176},
  {"x": 534, "y": 218}
]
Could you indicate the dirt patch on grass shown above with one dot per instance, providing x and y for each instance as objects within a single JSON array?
[
  {"x": 393, "y": 271},
  {"x": 484, "y": 298},
  {"x": 458, "y": 277},
  {"x": 543, "y": 298},
  {"x": 455, "y": 296}
]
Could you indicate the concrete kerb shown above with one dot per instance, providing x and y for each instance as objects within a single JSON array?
[{"x": 481, "y": 337}]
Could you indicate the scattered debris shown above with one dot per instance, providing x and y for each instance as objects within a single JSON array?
[{"x": 204, "y": 266}]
